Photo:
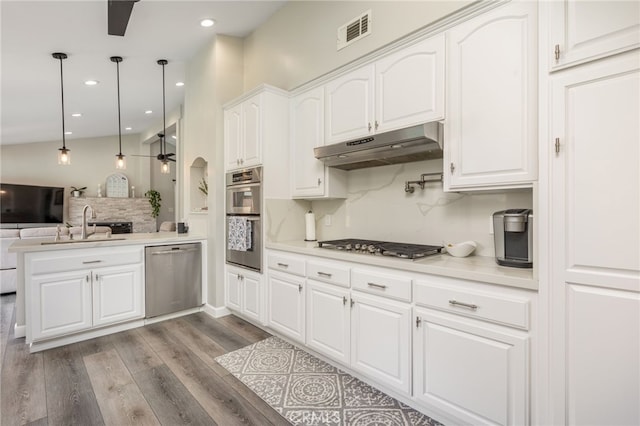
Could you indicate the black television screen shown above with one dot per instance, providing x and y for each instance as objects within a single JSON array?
[{"x": 31, "y": 204}]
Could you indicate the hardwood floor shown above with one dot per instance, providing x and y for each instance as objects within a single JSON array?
[{"x": 160, "y": 374}]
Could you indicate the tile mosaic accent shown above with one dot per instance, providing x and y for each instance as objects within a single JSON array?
[
  {"x": 308, "y": 391},
  {"x": 109, "y": 209}
]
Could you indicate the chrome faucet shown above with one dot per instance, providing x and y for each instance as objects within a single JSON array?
[{"x": 85, "y": 234}]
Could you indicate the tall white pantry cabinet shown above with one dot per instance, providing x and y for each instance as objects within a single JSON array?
[{"x": 591, "y": 154}]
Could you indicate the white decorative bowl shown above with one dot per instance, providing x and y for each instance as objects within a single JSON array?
[{"x": 463, "y": 249}]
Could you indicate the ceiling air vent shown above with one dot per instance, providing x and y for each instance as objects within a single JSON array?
[{"x": 355, "y": 29}]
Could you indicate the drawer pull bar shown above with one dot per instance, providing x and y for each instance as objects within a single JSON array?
[
  {"x": 324, "y": 274},
  {"x": 380, "y": 286},
  {"x": 463, "y": 305},
  {"x": 87, "y": 262},
  {"x": 283, "y": 265}
]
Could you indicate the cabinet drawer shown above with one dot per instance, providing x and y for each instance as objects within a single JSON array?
[
  {"x": 509, "y": 310},
  {"x": 71, "y": 260},
  {"x": 382, "y": 284},
  {"x": 329, "y": 273},
  {"x": 282, "y": 262}
]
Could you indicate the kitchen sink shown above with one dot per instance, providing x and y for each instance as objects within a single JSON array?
[{"x": 88, "y": 240}]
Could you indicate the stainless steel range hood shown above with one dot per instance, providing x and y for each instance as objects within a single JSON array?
[{"x": 422, "y": 142}]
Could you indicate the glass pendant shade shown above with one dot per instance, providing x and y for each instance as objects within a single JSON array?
[
  {"x": 165, "y": 167},
  {"x": 121, "y": 161},
  {"x": 64, "y": 156}
]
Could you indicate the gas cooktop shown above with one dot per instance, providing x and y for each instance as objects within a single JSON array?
[{"x": 384, "y": 248}]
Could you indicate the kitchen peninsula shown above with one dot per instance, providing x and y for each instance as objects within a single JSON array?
[{"x": 72, "y": 291}]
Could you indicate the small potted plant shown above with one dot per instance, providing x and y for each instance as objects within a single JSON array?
[
  {"x": 77, "y": 192},
  {"x": 204, "y": 188},
  {"x": 154, "y": 200}
]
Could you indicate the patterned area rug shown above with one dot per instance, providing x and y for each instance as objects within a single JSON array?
[{"x": 308, "y": 391}]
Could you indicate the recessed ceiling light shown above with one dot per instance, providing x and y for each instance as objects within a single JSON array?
[
  {"x": 207, "y": 23},
  {"x": 91, "y": 82},
  {"x": 68, "y": 133},
  {"x": 180, "y": 84},
  {"x": 128, "y": 128},
  {"x": 148, "y": 111},
  {"x": 76, "y": 114}
]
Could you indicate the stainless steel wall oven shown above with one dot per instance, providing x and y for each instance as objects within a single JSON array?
[{"x": 243, "y": 218}]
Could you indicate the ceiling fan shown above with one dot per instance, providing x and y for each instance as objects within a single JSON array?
[{"x": 118, "y": 13}]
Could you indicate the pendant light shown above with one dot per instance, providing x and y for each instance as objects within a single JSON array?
[
  {"x": 64, "y": 154},
  {"x": 121, "y": 162},
  {"x": 165, "y": 167}
]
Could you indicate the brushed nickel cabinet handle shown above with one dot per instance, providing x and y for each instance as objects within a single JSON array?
[
  {"x": 463, "y": 305},
  {"x": 87, "y": 262},
  {"x": 324, "y": 274},
  {"x": 283, "y": 265},
  {"x": 344, "y": 300},
  {"x": 380, "y": 286},
  {"x": 418, "y": 321},
  {"x": 556, "y": 52},
  {"x": 299, "y": 288}
]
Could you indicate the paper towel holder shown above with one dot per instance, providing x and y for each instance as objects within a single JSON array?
[{"x": 310, "y": 226}]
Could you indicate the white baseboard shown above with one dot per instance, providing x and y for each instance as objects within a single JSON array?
[
  {"x": 20, "y": 330},
  {"x": 216, "y": 312}
]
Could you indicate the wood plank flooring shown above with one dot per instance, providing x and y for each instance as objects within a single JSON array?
[{"x": 161, "y": 374}]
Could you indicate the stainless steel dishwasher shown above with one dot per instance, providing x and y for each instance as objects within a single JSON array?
[{"x": 173, "y": 278}]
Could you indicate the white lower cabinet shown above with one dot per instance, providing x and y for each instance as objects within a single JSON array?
[
  {"x": 474, "y": 371},
  {"x": 286, "y": 305},
  {"x": 60, "y": 304},
  {"x": 77, "y": 290},
  {"x": 243, "y": 292},
  {"x": 328, "y": 319},
  {"x": 381, "y": 340},
  {"x": 117, "y": 295}
]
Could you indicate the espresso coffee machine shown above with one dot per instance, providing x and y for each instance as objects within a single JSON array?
[{"x": 513, "y": 236}]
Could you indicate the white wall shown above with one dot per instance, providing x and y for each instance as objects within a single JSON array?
[
  {"x": 298, "y": 43},
  {"x": 92, "y": 160},
  {"x": 214, "y": 76}
]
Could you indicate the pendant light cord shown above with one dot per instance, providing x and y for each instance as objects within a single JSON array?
[
  {"x": 61, "y": 56},
  {"x": 163, "y": 140},
  {"x": 117, "y": 60}
]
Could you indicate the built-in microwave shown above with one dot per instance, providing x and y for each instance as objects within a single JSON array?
[{"x": 244, "y": 191}]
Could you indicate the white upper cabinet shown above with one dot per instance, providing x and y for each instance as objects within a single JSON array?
[
  {"x": 243, "y": 134},
  {"x": 410, "y": 86},
  {"x": 399, "y": 90},
  {"x": 349, "y": 105},
  {"x": 257, "y": 120},
  {"x": 310, "y": 178},
  {"x": 232, "y": 137},
  {"x": 581, "y": 31},
  {"x": 491, "y": 125}
]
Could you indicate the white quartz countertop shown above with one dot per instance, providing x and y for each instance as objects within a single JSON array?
[
  {"x": 475, "y": 268},
  {"x": 154, "y": 238}
]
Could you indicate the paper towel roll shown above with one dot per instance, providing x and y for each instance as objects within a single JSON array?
[{"x": 310, "y": 226}]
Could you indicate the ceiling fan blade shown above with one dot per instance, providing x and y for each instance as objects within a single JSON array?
[
  {"x": 170, "y": 154},
  {"x": 118, "y": 13},
  {"x": 140, "y": 155}
]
